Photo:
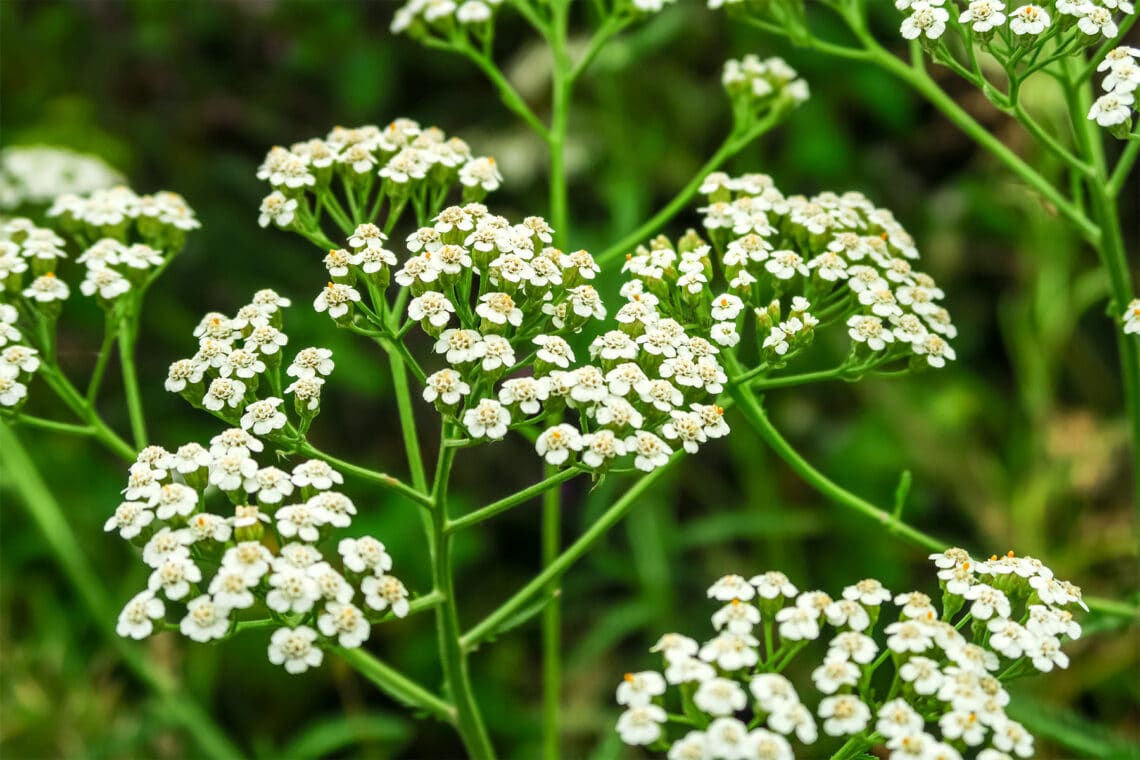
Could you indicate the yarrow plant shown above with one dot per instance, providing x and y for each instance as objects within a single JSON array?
[
  {"x": 497, "y": 327},
  {"x": 919, "y": 677},
  {"x": 34, "y": 175}
]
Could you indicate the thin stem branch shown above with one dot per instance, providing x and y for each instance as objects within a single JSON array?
[
  {"x": 395, "y": 684},
  {"x": 54, "y": 426},
  {"x": 128, "y": 336},
  {"x": 512, "y": 501},
  {"x": 568, "y": 557},
  {"x": 364, "y": 473}
]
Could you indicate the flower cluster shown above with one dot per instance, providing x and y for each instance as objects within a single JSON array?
[
  {"x": 756, "y": 85},
  {"x": 792, "y": 266},
  {"x": 920, "y": 686},
  {"x": 402, "y": 162},
  {"x": 35, "y": 174},
  {"x": 499, "y": 302},
  {"x": 236, "y": 373},
  {"x": 160, "y": 220},
  {"x": 1114, "y": 108},
  {"x": 1001, "y": 30},
  {"x": 417, "y": 17},
  {"x": 17, "y": 362},
  {"x": 259, "y": 565}
]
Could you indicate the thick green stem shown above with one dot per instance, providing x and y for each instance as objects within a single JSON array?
[
  {"x": 551, "y": 622},
  {"x": 22, "y": 475},
  {"x": 572, "y": 554},
  {"x": 468, "y": 720},
  {"x": 128, "y": 335},
  {"x": 408, "y": 421}
]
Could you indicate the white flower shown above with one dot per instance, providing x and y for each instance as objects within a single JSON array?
[
  {"x": 846, "y": 612},
  {"x": 935, "y": 349},
  {"x": 639, "y": 689},
  {"x": 47, "y": 288},
  {"x": 844, "y": 715},
  {"x": 231, "y": 588},
  {"x": 336, "y": 508},
  {"x": 925, "y": 19},
  {"x": 649, "y": 451},
  {"x": 798, "y": 623},
  {"x": 1028, "y": 19},
  {"x": 317, "y": 474},
  {"x": 923, "y": 673},
  {"x": 731, "y": 651},
  {"x": 1009, "y": 638},
  {"x": 869, "y": 592},
  {"x": 364, "y": 554},
  {"x": 447, "y": 386},
  {"x": 870, "y": 330},
  {"x": 832, "y": 674},
  {"x": 554, "y": 350},
  {"x": 897, "y": 719},
  {"x": 556, "y": 443},
  {"x": 460, "y": 346},
  {"x": 601, "y": 446},
  {"x": 300, "y": 520},
  {"x": 174, "y": 576},
  {"x": 731, "y": 587},
  {"x": 205, "y": 619},
  {"x": 909, "y": 636},
  {"x": 788, "y": 718},
  {"x": 1097, "y": 22},
  {"x": 773, "y": 692},
  {"x": 346, "y": 623},
  {"x": 963, "y": 725},
  {"x": 487, "y": 419},
  {"x": 1111, "y": 109},
  {"x": 291, "y": 589},
  {"x": 294, "y": 648},
  {"x": 1011, "y": 736},
  {"x": 727, "y": 738},
  {"x": 481, "y": 172},
  {"x": 497, "y": 353},
  {"x": 136, "y": 621},
  {"x": 1045, "y": 652},
  {"x": 223, "y": 392},
  {"x": 263, "y": 417},
  {"x": 432, "y": 306},
  {"x": 674, "y": 645},
  {"x": 107, "y": 283},
  {"x": 693, "y": 746},
  {"x": 641, "y": 725},
  {"x": 984, "y": 15},
  {"x": 249, "y": 558},
  {"x": 719, "y": 696},
  {"x": 685, "y": 669},
  {"x": 988, "y": 601},
  {"x": 336, "y": 299},
  {"x": 773, "y": 584},
  {"x": 130, "y": 517},
  {"x": 857, "y": 647},
  {"x": 737, "y": 617},
  {"x": 765, "y": 745},
  {"x": 499, "y": 309},
  {"x": 385, "y": 591},
  {"x": 277, "y": 209}
]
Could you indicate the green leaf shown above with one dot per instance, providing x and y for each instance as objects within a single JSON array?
[{"x": 1070, "y": 730}]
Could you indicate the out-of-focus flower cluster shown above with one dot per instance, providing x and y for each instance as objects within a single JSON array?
[
  {"x": 126, "y": 240},
  {"x": 755, "y": 86},
  {"x": 258, "y": 561},
  {"x": 790, "y": 266},
  {"x": 238, "y": 374},
  {"x": 440, "y": 18},
  {"x": 1131, "y": 318},
  {"x": 36, "y": 174},
  {"x": 1113, "y": 109},
  {"x": 351, "y": 172},
  {"x": 926, "y": 683}
]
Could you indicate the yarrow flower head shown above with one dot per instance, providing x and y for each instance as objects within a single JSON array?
[{"x": 943, "y": 691}]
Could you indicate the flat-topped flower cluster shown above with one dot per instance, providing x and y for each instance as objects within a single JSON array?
[
  {"x": 929, "y": 684},
  {"x": 790, "y": 266},
  {"x": 499, "y": 303},
  {"x": 351, "y": 170},
  {"x": 237, "y": 373},
  {"x": 443, "y": 17},
  {"x": 257, "y": 561},
  {"x": 36, "y": 174}
]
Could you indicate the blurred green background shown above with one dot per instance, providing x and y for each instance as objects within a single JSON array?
[{"x": 1020, "y": 444}]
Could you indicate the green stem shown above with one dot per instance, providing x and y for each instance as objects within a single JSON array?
[
  {"x": 128, "y": 336},
  {"x": 67, "y": 393},
  {"x": 568, "y": 557},
  {"x": 751, "y": 409},
  {"x": 732, "y": 145},
  {"x": 551, "y": 622},
  {"x": 54, "y": 426},
  {"x": 408, "y": 421},
  {"x": 1123, "y": 166},
  {"x": 453, "y": 656},
  {"x": 22, "y": 475},
  {"x": 512, "y": 501},
  {"x": 384, "y": 479},
  {"x": 509, "y": 95},
  {"x": 109, "y": 333},
  {"x": 395, "y": 684}
]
